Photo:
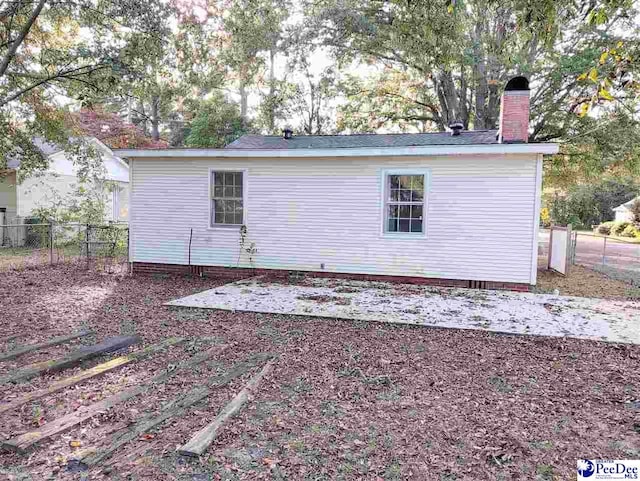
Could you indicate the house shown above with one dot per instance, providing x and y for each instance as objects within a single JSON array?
[
  {"x": 19, "y": 200},
  {"x": 623, "y": 211},
  {"x": 458, "y": 208}
]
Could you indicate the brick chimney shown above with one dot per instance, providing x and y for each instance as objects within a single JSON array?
[{"x": 514, "y": 112}]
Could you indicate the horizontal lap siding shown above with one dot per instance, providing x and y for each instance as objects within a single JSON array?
[{"x": 308, "y": 212}]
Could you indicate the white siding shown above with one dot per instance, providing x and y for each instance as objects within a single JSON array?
[
  {"x": 43, "y": 190},
  {"x": 623, "y": 216},
  {"x": 480, "y": 221},
  {"x": 8, "y": 196}
]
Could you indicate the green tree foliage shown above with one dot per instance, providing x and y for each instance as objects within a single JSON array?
[
  {"x": 51, "y": 50},
  {"x": 609, "y": 144},
  {"x": 586, "y": 205},
  {"x": 216, "y": 123},
  {"x": 249, "y": 29},
  {"x": 455, "y": 61}
]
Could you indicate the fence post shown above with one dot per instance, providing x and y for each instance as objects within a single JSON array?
[
  {"x": 51, "y": 242},
  {"x": 567, "y": 261},
  {"x": 604, "y": 251},
  {"x": 86, "y": 234},
  {"x": 549, "y": 249}
]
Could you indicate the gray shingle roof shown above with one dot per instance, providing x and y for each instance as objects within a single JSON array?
[
  {"x": 41, "y": 144},
  {"x": 467, "y": 137}
]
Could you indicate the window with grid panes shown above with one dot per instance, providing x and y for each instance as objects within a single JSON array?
[
  {"x": 404, "y": 206},
  {"x": 227, "y": 198}
]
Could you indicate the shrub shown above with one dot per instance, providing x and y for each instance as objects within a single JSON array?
[
  {"x": 635, "y": 211},
  {"x": 605, "y": 228},
  {"x": 619, "y": 227},
  {"x": 545, "y": 217},
  {"x": 630, "y": 231}
]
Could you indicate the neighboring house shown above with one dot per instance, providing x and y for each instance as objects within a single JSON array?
[
  {"x": 457, "y": 208},
  {"x": 18, "y": 201},
  {"x": 623, "y": 211}
]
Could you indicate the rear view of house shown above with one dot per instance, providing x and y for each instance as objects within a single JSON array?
[
  {"x": 19, "y": 200},
  {"x": 451, "y": 208}
]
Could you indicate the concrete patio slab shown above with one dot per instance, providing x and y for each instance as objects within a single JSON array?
[{"x": 497, "y": 311}]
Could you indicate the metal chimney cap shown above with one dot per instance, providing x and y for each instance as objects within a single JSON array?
[
  {"x": 288, "y": 133},
  {"x": 456, "y": 127}
]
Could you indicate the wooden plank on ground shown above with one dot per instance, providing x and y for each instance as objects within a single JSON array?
[
  {"x": 25, "y": 441},
  {"x": 176, "y": 408},
  {"x": 89, "y": 352},
  {"x": 95, "y": 371},
  {"x": 201, "y": 441},
  {"x": 12, "y": 337},
  {"x": 34, "y": 347}
]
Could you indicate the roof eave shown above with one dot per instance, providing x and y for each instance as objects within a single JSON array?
[{"x": 432, "y": 150}]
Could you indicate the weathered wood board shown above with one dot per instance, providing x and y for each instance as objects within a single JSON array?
[
  {"x": 34, "y": 347},
  {"x": 176, "y": 408},
  {"x": 25, "y": 441},
  {"x": 199, "y": 443},
  {"x": 108, "y": 345},
  {"x": 95, "y": 371}
]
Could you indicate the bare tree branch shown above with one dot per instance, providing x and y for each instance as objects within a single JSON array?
[{"x": 15, "y": 44}]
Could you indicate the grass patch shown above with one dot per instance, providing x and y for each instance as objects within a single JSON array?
[{"x": 500, "y": 384}]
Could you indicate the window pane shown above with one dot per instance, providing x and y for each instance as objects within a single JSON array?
[
  {"x": 237, "y": 191},
  {"x": 237, "y": 178},
  {"x": 393, "y": 182},
  {"x": 228, "y": 191},
  {"x": 404, "y": 181},
  {"x": 403, "y": 225},
  {"x": 417, "y": 186},
  {"x": 392, "y": 225},
  {"x": 416, "y": 226},
  {"x": 394, "y": 194},
  {"x": 219, "y": 218},
  {"x": 237, "y": 206},
  {"x": 228, "y": 178},
  {"x": 218, "y": 191},
  {"x": 416, "y": 212},
  {"x": 238, "y": 218},
  {"x": 405, "y": 211},
  {"x": 217, "y": 178},
  {"x": 405, "y": 196},
  {"x": 392, "y": 211},
  {"x": 229, "y": 218}
]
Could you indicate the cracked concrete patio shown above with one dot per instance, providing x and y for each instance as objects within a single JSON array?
[{"x": 496, "y": 311}]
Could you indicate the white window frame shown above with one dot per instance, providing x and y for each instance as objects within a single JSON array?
[
  {"x": 384, "y": 202},
  {"x": 245, "y": 183},
  {"x": 115, "y": 203}
]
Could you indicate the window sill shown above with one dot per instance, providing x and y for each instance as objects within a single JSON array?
[
  {"x": 227, "y": 227},
  {"x": 403, "y": 235}
]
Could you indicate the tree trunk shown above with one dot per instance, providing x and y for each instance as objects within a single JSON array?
[
  {"x": 143, "y": 118},
  {"x": 271, "y": 120},
  {"x": 243, "y": 101},
  {"x": 155, "y": 117}
]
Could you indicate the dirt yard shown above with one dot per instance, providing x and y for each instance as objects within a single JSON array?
[
  {"x": 346, "y": 400},
  {"x": 585, "y": 282}
]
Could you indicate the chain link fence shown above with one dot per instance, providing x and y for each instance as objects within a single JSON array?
[
  {"x": 105, "y": 247},
  {"x": 616, "y": 258}
]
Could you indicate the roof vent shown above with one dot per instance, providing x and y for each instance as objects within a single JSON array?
[
  {"x": 456, "y": 127},
  {"x": 288, "y": 133}
]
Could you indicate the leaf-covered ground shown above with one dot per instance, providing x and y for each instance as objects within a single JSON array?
[{"x": 347, "y": 400}]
